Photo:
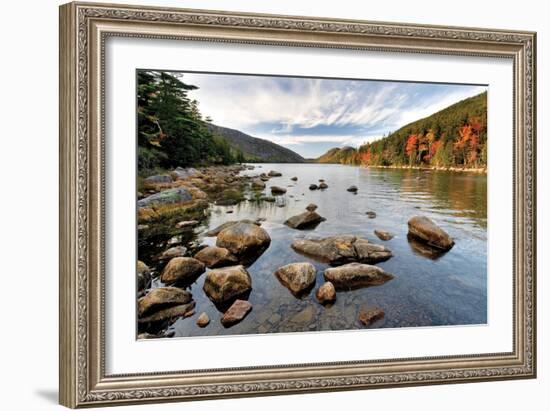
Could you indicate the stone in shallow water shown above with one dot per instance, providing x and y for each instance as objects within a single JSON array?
[
  {"x": 356, "y": 275},
  {"x": 383, "y": 235},
  {"x": 215, "y": 257},
  {"x": 326, "y": 294},
  {"x": 311, "y": 207},
  {"x": 182, "y": 269},
  {"x": 203, "y": 320},
  {"x": 307, "y": 219},
  {"x": 427, "y": 231},
  {"x": 367, "y": 317},
  {"x": 244, "y": 239},
  {"x": 371, "y": 253},
  {"x": 162, "y": 297},
  {"x": 223, "y": 284},
  {"x": 297, "y": 277},
  {"x": 183, "y": 310},
  {"x": 236, "y": 313},
  {"x": 276, "y": 190},
  {"x": 352, "y": 189}
]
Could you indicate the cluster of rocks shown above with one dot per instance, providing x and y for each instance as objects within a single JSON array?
[
  {"x": 337, "y": 250},
  {"x": 239, "y": 243}
]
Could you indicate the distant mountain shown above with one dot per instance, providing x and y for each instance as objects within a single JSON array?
[
  {"x": 338, "y": 155},
  {"x": 453, "y": 137},
  {"x": 256, "y": 149}
]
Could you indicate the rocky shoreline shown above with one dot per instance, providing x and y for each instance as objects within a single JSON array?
[{"x": 172, "y": 204}]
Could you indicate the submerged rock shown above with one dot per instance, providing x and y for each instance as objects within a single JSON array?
[
  {"x": 352, "y": 189},
  {"x": 371, "y": 214},
  {"x": 236, "y": 313},
  {"x": 326, "y": 294},
  {"x": 297, "y": 277},
  {"x": 143, "y": 275},
  {"x": 215, "y": 257},
  {"x": 224, "y": 284},
  {"x": 277, "y": 190},
  {"x": 427, "y": 231},
  {"x": 323, "y": 186},
  {"x": 273, "y": 173},
  {"x": 244, "y": 239},
  {"x": 178, "y": 195},
  {"x": 294, "y": 178},
  {"x": 182, "y": 269},
  {"x": 383, "y": 235},
  {"x": 305, "y": 220},
  {"x": 367, "y": 317},
  {"x": 173, "y": 252},
  {"x": 313, "y": 186},
  {"x": 203, "y": 320},
  {"x": 160, "y": 298},
  {"x": 356, "y": 275},
  {"x": 311, "y": 207}
]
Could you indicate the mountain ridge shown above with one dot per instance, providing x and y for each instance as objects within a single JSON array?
[{"x": 255, "y": 149}]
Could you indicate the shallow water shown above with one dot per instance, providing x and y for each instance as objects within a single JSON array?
[{"x": 448, "y": 290}]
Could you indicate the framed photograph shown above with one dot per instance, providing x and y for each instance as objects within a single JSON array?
[{"x": 259, "y": 204}]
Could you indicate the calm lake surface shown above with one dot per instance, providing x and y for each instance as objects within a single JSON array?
[{"x": 426, "y": 291}]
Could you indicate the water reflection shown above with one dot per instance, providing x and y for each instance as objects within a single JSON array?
[{"x": 429, "y": 288}]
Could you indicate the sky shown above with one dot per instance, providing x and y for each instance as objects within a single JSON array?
[{"x": 311, "y": 116}]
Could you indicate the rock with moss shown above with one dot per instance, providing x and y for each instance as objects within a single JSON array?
[{"x": 178, "y": 195}]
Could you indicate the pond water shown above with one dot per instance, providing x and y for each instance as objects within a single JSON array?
[{"x": 426, "y": 291}]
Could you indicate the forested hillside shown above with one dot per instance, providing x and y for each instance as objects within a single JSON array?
[
  {"x": 171, "y": 130},
  {"x": 453, "y": 137}
]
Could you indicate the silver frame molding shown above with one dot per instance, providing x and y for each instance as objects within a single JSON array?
[{"x": 84, "y": 27}]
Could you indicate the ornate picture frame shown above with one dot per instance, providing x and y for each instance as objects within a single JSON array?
[{"x": 84, "y": 28}]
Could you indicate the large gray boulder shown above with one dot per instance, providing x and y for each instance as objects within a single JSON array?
[
  {"x": 305, "y": 220},
  {"x": 297, "y": 277},
  {"x": 224, "y": 284},
  {"x": 244, "y": 239},
  {"x": 430, "y": 233},
  {"x": 356, "y": 275},
  {"x": 178, "y": 195},
  {"x": 182, "y": 269}
]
